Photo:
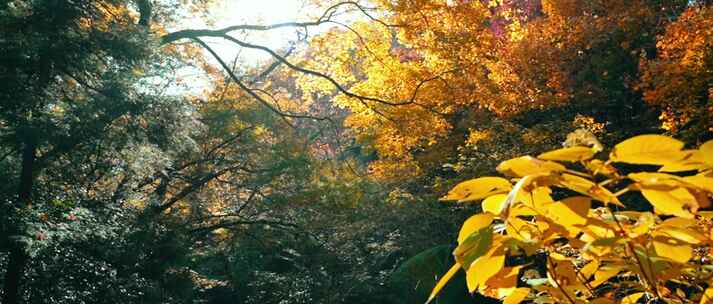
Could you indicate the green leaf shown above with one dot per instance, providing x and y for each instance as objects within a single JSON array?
[{"x": 475, "y": 246}]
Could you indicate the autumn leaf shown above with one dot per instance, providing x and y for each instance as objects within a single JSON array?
[
  {"x": 588, "y": 188},
  {"x": 707, "y": 297},
  {"x": 676, "y": 202},
  {"x": 442, "y": 282},
  {"x": 632, "y": 298},
  {"x": 476, "y": 189},
  {"x": 673, "y": 249},
  {"x": 707, "y": 152},
  {"x": 570, "y": 211},
  {"x": 495, "y": 204},
  {"x": 528, "y": 165},
  {"x": 473, "y": 224},
  {"x": 648, "y": 150},
  {"x": 518, "y": 295},
  {"x": 484, "y": 268},
  {"x": 605, "y": 273},
  {"x": 571, "y": 154}
]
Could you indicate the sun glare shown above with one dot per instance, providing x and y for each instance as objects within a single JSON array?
[{"x": 232, "y": 12}]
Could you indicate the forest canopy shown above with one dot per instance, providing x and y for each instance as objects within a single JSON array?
[{"x": 147, "y": 160}]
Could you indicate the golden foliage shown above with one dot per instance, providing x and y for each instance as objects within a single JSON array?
[
  {"x": 450, "y": 58},
  {"x": 587, "y": 247}
]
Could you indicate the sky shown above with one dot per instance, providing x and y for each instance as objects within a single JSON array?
[
  {"x": 232, "y": 12},
  {"x": 261, "y": 12}
]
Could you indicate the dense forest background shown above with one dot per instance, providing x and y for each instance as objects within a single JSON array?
[{"x": 312, "y": 177}]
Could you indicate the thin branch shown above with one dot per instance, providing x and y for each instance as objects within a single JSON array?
[
  {"x": 250, "y": 91},
  {"x": 244, "y": 222}
]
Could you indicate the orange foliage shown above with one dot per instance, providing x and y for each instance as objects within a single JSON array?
[
  {"x": 447, "y": 58},
  {"x": 680, "y": 78}
]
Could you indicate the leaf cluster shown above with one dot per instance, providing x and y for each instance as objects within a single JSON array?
[{"x": 566, "y": 232}]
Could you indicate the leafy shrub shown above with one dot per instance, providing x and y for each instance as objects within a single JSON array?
[{"x": 582, "y": 233}]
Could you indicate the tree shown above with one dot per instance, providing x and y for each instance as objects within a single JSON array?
[
  {"x": 75, "y": 105},
  {"x": 678, "y": 78},
  {"x": 439, "y": 62}
]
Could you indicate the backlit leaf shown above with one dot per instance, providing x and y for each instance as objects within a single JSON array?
[
  {"x": 693, "y": 161},
  {"x": 528, "y": 165},
  {"x": 682, "y": 234},
  {"x": 518, "y": 295},
  {"x": 673, "y": 249},
  {"x": 701, "y": 182},
  {"x": 707, "y": 296},
  {"x": 707, "y": 152},
  {"x": 571, "y": 154},
  {"x": 648, "y": 150},
  {"x": 476, "y": 189},
  {"x": 442, "y": 282},
  {"x": 605, "y": 273},
  {"x": 588, "y": 188},
  {"x": 676, "y": 202},
  {"x": 473, "y": 224},
  {"x": 588, "y": 270},
  {"x": 570, "y": 211},
  {"x": 484, "y": 268},
  {"x": 632, "y": 298},
  {"x": 494, "y": 204}
]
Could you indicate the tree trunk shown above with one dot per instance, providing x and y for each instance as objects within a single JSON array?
[
  {"x": 13, "y": 276},
  {"x": 18, "y": 257}
]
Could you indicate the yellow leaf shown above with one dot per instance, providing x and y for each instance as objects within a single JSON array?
[
  {"x": 473, "y": 224},
  {"x": 484, "y": 268},
  {"x": 570, "y": 211},
  {"x": 682, "y": 234},
  {"x": 528, "y": 165},
  {"x": 707, "y": 297},
  {"x": 643, "y": 225},
  {"x": 632, "y": 298},
  {"x": 538, "y": 198},
  {"x": 707, "y": 152},
  {"x": 605, "y": 273},
  {"x": 478, "y": 188},
  {"x": 680, "y": 222},
  {"x": 588, "y": 270},
  {"x": 522, "y": 230},
  {"x": 503, "y": 283},
  {"x": 517, "y": 194},
  {"x": 704, "y": 183},
  {"x": 652, "y": 179},
  {"x": 648, "y": 150},
  {"x": 602, "y": 301},
  {"x": 673, "y": 249},
  {"x": 518, "y": 295},
  {"x": 494, "y": 204},
  {"x": 442, "y": 282},
  {"x": 598, "y": 167},
  {"x": 676, "y": 202},
  {"x": 588, "y": 188},
  {"x": 693, "y": 161},
  {"x": 564, "y": 275},
  {"x": 571, "y": 154}
]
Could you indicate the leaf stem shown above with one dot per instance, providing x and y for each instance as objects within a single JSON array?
[
  {"x": 550, "y": 269},
  {"x": 650, "y": 281}
]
